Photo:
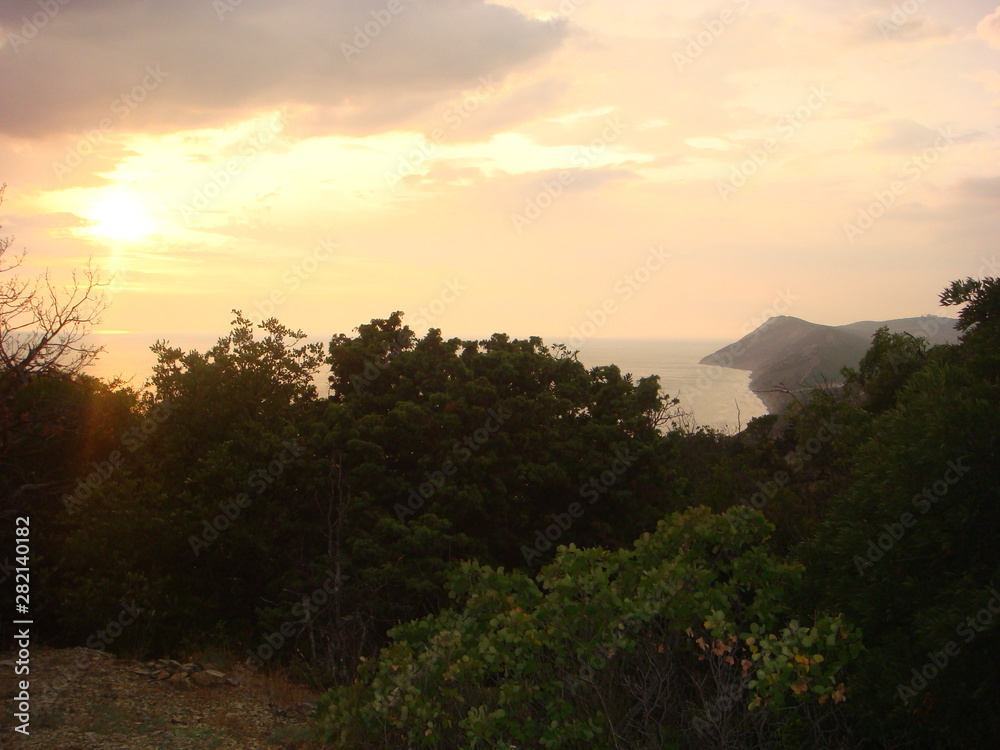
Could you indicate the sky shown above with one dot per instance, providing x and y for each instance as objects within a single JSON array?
[{"x": 566, "y": 168}]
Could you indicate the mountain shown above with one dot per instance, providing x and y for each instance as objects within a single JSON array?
[{"x": 787, "y": 353}]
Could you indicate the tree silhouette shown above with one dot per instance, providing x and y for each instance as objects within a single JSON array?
[{"x": 43, "y": 327}]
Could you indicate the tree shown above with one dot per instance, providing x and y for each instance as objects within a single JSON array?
[
  {"x": 907, "y": 550},
  {"x": 889, "y": 362},
  {"x": 43, "y": 327},
  {"x": 682, "y": 640},
  {"x": 981, "y": 298},
  {"x": 58, "y": 426}
]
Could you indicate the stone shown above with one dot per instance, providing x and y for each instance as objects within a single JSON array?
[
  {"x": 217, "y": 677},
  {"x": 201, "y": 678}
]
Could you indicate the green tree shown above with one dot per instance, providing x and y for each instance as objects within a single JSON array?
[
  {"x": 908, "y": 549},
  {"x": 684, "y": 639},
  {"x": 889, "y": 362}
]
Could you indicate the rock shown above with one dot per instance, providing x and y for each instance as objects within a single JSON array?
[
  {"x": 201, "y": 678},
  {"x": 208, "y": 677},
  {"x": 217, "y": 677}
]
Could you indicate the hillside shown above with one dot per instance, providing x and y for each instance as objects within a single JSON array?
[{"x": 794, "y": 354}]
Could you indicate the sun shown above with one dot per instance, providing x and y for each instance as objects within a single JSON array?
[{"x": 120, "y": 217}]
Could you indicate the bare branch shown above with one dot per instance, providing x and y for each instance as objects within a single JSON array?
[{"x": 43, "y": 327}]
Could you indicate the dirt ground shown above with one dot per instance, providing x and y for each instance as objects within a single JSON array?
[{"x": 83, "y": 699}]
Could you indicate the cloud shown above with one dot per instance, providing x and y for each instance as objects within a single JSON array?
[
  {"x": 983, "y": 188},
  {"x": 363, "y": 66},
  {"x": 904, "y": 137},
  {"x": 989, "y": 29},
  {"x": 896, "y": 26},
  {"x": 57, "y": 220},
  {"x": 990, "y": 79}
]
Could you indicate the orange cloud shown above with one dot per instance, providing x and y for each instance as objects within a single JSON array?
[{"x": 989, "y": 29}]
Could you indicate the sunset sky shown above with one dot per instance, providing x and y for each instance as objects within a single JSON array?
[{"x": 504, "y": 166}]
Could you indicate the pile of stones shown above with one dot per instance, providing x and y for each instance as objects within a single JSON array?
[{"x": 185, "y": 675}]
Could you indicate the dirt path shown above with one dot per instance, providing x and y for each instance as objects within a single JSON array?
[{"x": 83, "y": 699}]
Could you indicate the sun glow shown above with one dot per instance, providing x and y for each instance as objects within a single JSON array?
[{"x": 120, "y": 217}]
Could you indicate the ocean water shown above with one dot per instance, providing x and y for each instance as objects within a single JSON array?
[{"x": 709, "y": 395}]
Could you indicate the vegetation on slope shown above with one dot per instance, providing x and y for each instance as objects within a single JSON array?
[{"x": 449, "y": 539}]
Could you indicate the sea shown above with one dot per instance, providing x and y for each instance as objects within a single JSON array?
[{"x": 709, "y": 395}]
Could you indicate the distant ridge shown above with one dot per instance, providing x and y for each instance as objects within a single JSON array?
[{"x": 786, "y": 352}]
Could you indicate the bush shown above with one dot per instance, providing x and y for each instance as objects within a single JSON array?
[{"x": 682, "y": 639}]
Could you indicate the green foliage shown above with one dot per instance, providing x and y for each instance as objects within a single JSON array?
[
  {"x": 56, "y": 432},
  {"x": 890, "y": 360},
  {"x": 908, "y": 550},
  {"x": 619, "y": 648},
  {"x": 242, "y": 491},
  {"x": 981, "y": 298},
  {"x": 244, "y": 506}
]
